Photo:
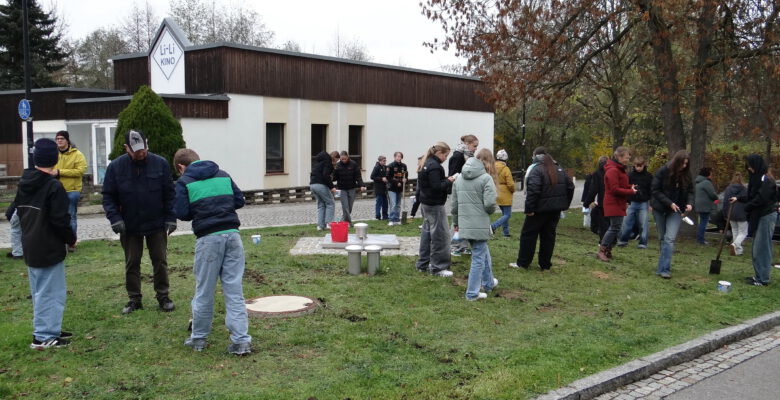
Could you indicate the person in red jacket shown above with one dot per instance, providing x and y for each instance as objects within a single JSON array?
[{"x": 617, "y": 190}]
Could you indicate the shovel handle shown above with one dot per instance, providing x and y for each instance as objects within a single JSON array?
[{"x": 723, "y": 237}]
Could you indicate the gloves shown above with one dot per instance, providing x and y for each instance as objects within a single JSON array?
[
  {"x": 170, "y": 227},
  {"x": 118, "y": 227}
]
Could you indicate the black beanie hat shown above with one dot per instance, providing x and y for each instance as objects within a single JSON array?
[
  {"x": 64, "y": 134},
  {"x": 45, "y": 154}
]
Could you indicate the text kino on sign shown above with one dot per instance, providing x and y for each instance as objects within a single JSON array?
[{"x": 167, "y": 54}]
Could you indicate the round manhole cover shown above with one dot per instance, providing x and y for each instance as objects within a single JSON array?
[{"x": 281, "y": 306}]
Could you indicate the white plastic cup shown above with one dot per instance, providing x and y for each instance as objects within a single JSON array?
[{"x": 256, "y": 239}]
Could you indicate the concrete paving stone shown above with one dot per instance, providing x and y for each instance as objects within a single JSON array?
[{"x": 667, "y": 381}]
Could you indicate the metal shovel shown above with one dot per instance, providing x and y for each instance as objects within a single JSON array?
[{"x": 715, "y": 264}]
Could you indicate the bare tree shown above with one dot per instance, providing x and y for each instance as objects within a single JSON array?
[
  {"x": 291, "y": 45},
  {"x": 204, "y": 21},
  {"x": 351, "y": 49},
  {"x": 138, "y": 27}
]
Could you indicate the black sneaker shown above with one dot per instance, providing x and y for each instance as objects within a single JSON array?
[
  {"x": 12, "y": 256},
  {"x": 53, "y": 342},
  {"x": 66, "y": 335},
  {"x": 131, "y": 306},
  {"x": 750, "y": 280},
  {"x": 166, "y": 304}
]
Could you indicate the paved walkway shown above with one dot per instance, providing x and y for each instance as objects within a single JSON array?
[
  {"x": 96, "y": 226},
  {"x": 747, "y": 369}
]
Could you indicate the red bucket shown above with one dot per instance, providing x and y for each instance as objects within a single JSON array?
[{"x": 339, "y": 231}]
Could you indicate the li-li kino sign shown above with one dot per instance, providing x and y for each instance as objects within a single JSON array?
[{"x": 167, "y": 54}]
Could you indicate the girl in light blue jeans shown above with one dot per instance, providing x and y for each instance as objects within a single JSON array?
[{"x": 473, "y": 200}]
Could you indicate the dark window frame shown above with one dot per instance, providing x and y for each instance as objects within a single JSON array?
[{"x": 274, "y": 158}]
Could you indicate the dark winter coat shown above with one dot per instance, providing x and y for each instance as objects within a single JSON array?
[
  {"x": 738, "y": 213},
  {"x": 541, "y": 196},
  {"x": 596, "y": 187},
  {"x": 434, "y": 185},
  {"x": 665, "y": 192},
  {"x": 616, "y": 189},
  {"x": 761, "y": 197},
  {"x": 208, "y": 197},
  {"x": 322, "y": 170},
  {"x": 42, "y": 206},
  {"x": 455, "y": 165},
  {"x": 380, "y": 187},
  {"x": 347, "y": 175},
  {"x": 644, "y": 183},
  {"x": 396, "y": 173},
  {"x": 140, "y": 193}
]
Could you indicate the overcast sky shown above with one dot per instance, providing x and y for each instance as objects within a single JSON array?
[{"x": 392, "y": 30}]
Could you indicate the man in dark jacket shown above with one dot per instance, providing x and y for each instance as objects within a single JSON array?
[
  {"x": 636, "y": 219},
  {"x": 761, "y": 206},
  {"x": 595, "y": 200},
  {"x": 396, "y": 180},
  {"x": 138, "y": 201},
  {"x": 378, "y": 175},
  {"x": 207, "y": 196},
  {"x": 42, "y": 207},
  {"x": 348, "y": 178}
]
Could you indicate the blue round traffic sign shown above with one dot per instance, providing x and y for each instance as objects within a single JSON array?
[{"x": 24, "y": 109}]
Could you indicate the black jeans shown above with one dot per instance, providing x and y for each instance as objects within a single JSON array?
[
  {"x": 610, "y": 238},
  {"x": 133, "y": 245},
  {"x": 542, "y": 226}
]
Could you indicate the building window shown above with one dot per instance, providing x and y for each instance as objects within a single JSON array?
[
  {"x": 274, "y": 147},
  {"x": 319, "y": 139},
  {"x": 356, "y": 144}
]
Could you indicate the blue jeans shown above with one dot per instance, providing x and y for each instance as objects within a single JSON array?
[
  {"x": 481, "y": 273},
  {"x": 506, "y": 213},
  {"x": 704, "y": 218},
  {"x": 47, "y": 287},
  {"x": 395, "y": 205},
  {"x": 762, "y": 247},
  {"x": 16, "y": 235},
  {"x": 73, "y": 205},
  {"x": 325, "y": 204},
  {"x": 380, "y": 207},
  {"x": 219, "y": 256},
  {"x": 636, "y": 216},
  {"x": 668, "y": 225}
]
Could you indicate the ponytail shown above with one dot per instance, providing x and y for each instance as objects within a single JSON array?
[{"x": 436, "y": 148}]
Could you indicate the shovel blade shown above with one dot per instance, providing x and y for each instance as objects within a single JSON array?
[{"x": 714, "y": 267}]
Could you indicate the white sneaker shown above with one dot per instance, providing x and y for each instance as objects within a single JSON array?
[
  {"x": 444, "y": 273},
  {"x": 319, "y": 229},
  {"x": 480, "y": 296},
  {"x": 495, "y": 283},
  {"x": 513, "y": 265}
]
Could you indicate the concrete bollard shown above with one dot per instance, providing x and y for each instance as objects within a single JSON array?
[
  {"x": 354, "y": 258},
  {"x": 372, "y": 253}
]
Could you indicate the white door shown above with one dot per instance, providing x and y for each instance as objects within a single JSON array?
[{"x": 102, "y": 140}]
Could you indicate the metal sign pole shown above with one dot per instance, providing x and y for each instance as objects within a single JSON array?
[{"x": 27, "y": 82}]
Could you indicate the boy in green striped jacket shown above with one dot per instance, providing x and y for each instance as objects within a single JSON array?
[{"x": 208, "y": 197}]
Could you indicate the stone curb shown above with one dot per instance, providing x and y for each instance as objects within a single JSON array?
[{"x": 641, "y": 368}]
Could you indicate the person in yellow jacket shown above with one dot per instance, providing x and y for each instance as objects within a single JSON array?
[
  {"x": 70, "y": 168},
  {"x": 506, "y": 187}
]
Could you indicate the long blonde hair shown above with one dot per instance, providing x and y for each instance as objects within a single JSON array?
[
  {"x": 439, "y": 147},
  {"x": 486, "y": 156}
]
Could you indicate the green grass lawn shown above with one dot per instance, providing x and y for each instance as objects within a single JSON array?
[{"x": 400, "y": 334}]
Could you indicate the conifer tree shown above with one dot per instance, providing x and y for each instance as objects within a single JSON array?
[
  {"x": 46, "y": 53},
  {"x": 148, "y": 113}
]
